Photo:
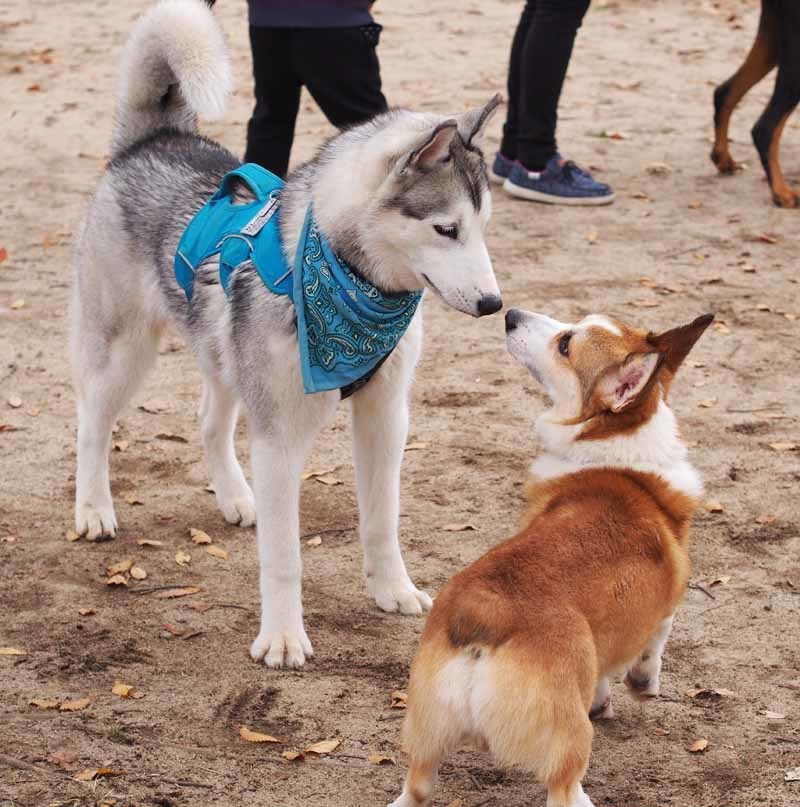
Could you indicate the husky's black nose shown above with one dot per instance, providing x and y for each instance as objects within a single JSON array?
[
  {"x": 489, "y": 305},
  {"x": 513, "y": 318}
]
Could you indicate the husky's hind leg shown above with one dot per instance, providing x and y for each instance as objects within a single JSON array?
[
  {"x": 111, "y": 355},
  {"x": 219, "y": 408}
]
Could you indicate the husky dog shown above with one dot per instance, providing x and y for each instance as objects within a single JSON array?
[{"x": 403, "y": 198}]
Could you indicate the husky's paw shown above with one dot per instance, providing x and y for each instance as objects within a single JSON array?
[
  {"x": 282, "y": 649},
  {"x": 642, "y": 683},
  {"x": 399, "y": 595},
  {"x": 240, "y": 509},
  {"x": 96, "y": 523}
]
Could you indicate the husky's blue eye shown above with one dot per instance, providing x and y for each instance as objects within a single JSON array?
[
  {"x": 563, "y": 344},
  {"x": 449, "y": 231}
]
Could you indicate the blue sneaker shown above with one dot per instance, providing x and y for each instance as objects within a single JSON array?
[
  {"x": 501, "y": 168},
  {"x": 560, "y": 183}
]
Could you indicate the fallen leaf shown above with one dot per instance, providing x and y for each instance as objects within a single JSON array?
[
  {"x": 72, "y": 536},
  {"x": 784, "y": 446},
  {"x": 116, "y": 580},
  {"x": 15, "y": 402},
  {"x": 328, "y": 480},
  {"x": 43, "y": 703},
  {"x": 97, "y": 773},
  {"x": 256, "y": 736},
  {"x": 766, "y": 519},
  {"x": 120, "y": 568},
  {"x": 381, "y": 759},
  {"x": 217, "y": 552},
  {"x": 713, "y": 506},
  {"x": 12, "y": 651},
  {"x": 172, "y": 593},
  {"x": 74, "y": 706},
  {"x": 698, "y": 746},
  {"x": 149, "y": 542},
  {"x": 792, "y": 775},
  {"x": 399, "y": 699},
  {"x": 659, "y": 169},
  {"x": 153, "y": 407},
  {"x": 458, "y": 527},
  {"x": 86, "y": 611},
  {"x": 763, "y": 307},
  {"x": 418, "y": 446},
  {"x": 34, "y": 88},
  {"x": 695, "y": 205},
  {"x": 708, "y": 403},
  {"x": 138, "y": 573},
  {"x": 644, "y": 303},
  {"x": 707, "y": 693},
  {"x": 721, "y": 580},
  {"x": 131, "y": 499},
  {"x": 49, "y": 240},
  {"x": 17, "y": 304},
  {"x": 175, "y": 438},
  {"x": 592, "y": 237},
  {"x": 311, "y": 474},
  {"x": 767, "y": 238},
  {"x": 315, "y": 541},
  {"x": 323, "y": 747},
  {"x": 182, "y": 558},
  {"x": 121, "y": 445},
  {"x": 721, "y": 327},
  {"x": 199, "y": 537},
  {"x": 293, "y": 755},
  {"x": 123, "y": 690},
  {"x": 3, "y": 254},
  {"x": 770, "y": 715}
]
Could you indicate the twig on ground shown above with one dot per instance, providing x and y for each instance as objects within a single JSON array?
[
  {"x": 327, "y": 531},
  {"x": 21, "y": 765},
  {"x": 698, "y": 587},
  {"x": 151, "y": 589}
]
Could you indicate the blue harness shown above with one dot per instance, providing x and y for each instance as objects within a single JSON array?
[{"x": 346, "y": 328}]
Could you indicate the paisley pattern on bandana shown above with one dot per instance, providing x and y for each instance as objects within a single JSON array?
[{"x": 346, "y": 327}]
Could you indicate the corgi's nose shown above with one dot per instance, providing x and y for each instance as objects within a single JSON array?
[
  {"x": 490, "y": 304},
  {"x": 513, "y": 318}
]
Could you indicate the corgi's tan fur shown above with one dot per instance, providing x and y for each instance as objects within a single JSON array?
[{"x": 519, "y": 646}]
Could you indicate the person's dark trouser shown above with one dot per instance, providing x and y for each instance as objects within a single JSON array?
[
  {"x": 339, "y": 67},
  {"x": 540, "y": 56}
]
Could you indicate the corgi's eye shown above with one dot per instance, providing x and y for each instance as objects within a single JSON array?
[
  {"x": 563, "y": 344},
  {"x": 449, "y": 231}
]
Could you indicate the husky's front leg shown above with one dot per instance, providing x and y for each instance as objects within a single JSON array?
[
  {"x": 277, "y": 464},
  {"x": 380, "y": 428}
]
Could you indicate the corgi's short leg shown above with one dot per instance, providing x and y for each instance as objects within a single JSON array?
[
  {"x": 602, "y": 709},
  {"x": 643, "y": 678},
  {"x": 576, "y": 797},
  {"x": 419, "y": 785},
  {"x": 570, "y": 749}
]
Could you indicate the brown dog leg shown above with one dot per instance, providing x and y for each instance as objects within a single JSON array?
[{"x": 762, "y": 58}]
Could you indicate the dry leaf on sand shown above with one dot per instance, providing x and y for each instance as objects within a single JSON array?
[
  {"x": 11, "y": 651},
  {"x": 172, "y": 593},
  {"x": 116, "y": 580},
  {"x": 119, "y": 568},
  {"x": 86, "y": 611},
  {"x": 459, "y": 527},
  {"x": 217, "y": 552},
  {"x": 90, "y": 774},
  {"x": 293, "y": 756},
  {"x": 399, "y": 699},
  {"x": 182, "y": 558},
  {"x": 381, "y": 759},
  {"x": 45, "y": 703},
  {"x": 256, "y": 736},
  {"x": 323, "y": 747},
  {"x": 74, "y": 706},
  {"x": 199, "y": 537},
  {"x": 698, "y": 746},
  {"x": 315, "y": 541},
  {"x": 138, "y": 573},
  {"x": 125, "y": 690},
  {"x": 72, "y": 536},
  {"x": 149, "y": 542}
]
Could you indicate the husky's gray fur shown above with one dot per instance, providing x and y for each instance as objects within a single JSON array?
[{"x": 403, "y": 198}]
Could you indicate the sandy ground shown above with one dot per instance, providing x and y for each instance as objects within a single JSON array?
[{"x": 678, "y": 238}]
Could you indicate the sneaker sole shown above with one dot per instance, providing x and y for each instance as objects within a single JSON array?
[{"x": 549, "y": 199}]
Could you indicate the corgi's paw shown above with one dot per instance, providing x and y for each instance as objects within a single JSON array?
[
  {"x": 399, "y": 594},
  {"x": 282, "y": 649},
  {"x": 602, "y": 711},
  {"x": 96, "y": 522}
]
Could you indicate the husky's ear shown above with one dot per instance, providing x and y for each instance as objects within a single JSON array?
[
  {"x": 472, "y": 124},
  {"x": 622, "y": 385},
  {"x": 676, "y": 343},
  {"x": 432, "y": 151}
]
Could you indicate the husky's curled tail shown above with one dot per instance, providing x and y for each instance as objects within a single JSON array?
[{"x": 175, "y": 67}]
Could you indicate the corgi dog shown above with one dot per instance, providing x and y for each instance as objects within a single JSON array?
[{"x": 519, "y": 648}]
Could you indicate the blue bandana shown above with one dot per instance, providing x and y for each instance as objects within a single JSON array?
[{"x": 346, "y": 328}]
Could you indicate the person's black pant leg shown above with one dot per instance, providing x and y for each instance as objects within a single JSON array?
[
  {"x": 270, "y": 131},
  {"x": 340, "y": 68},
  {"x": 544, "y": 59},
  {"x": 508, "y": 146}
]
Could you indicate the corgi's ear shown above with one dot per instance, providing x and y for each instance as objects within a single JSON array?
[
  {"x": 472, "y": 124},
  {"x": 674, "y": 345},
  {"x": 432, "y": 151},
  {"x": 621, "y": 386}
]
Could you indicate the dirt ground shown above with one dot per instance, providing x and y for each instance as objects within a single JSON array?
[{"x": 679, "y": 241}]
